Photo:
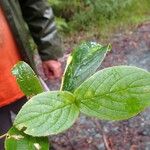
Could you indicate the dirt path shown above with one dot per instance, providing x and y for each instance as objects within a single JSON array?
[{"x": 131, "y": 48}]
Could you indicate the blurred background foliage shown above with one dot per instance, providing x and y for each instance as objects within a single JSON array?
[{"x": 98, "y": 15}]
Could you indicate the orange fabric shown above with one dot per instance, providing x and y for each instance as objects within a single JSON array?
[{"x": 9, "y": 90}]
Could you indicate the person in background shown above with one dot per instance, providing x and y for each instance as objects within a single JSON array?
[{"x": 15, "y": 45}]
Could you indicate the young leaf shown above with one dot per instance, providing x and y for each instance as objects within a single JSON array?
[
  {"x": 17, "y": 140},
  {"x": 27, "y": 79},
  {"x": 47, "y": 113},
  {"x": 83, "y": 62},
  {"x": 115, "y": 93}
]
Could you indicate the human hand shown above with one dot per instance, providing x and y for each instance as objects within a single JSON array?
[{"x": 52, "y": 69}]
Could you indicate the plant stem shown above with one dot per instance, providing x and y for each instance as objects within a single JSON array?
[
  {"x": 2, "y": 136},
  {"x": 67, "y": 64}
]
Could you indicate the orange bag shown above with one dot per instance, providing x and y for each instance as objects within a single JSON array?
[{"x": 9, "y": 56}]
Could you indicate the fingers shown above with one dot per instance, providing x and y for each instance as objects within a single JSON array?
[
  {"x": 57, "y": 71},
  {"x": 52, "y": 69},
  {"x": 47, "y": 73}
]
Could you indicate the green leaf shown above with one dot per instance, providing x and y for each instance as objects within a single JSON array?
[
  {"x": 27, "y": 79},
  {"x": 17, "y": 140},
  {"x": 83, "y": 63},
  {"x": 47, "y": 113},
  {"x": 115, "y": 93}
]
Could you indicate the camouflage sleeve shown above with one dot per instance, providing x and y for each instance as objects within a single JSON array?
[{"x": 40, "y": 20}]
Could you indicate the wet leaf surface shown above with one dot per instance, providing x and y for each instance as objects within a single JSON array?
[
  {"x": 47, "y": 113},
  {"x": 27, "y": 79},
  {"x": 17, "y": 140},
  {"x": 115, "y": 93},
  {"x": 83, "y": 63}
]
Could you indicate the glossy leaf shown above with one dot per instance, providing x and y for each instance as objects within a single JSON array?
[
  {"x": 47, "y": 113},
  {"x": 115, "y": 93},
  {"x": 83, "y": 63},
  {"x": 17, "y": 140},
  {"x": 27, "y": 79}
]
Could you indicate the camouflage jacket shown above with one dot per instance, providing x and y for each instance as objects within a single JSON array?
[{"x": 39, "y": 18}]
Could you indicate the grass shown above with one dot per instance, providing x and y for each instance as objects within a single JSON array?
[{"x": 100, "y": 17}]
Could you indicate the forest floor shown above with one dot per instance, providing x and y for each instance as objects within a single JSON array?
[{"x": 130, "y": 47}]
